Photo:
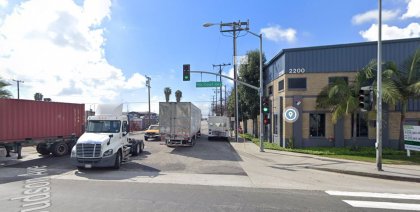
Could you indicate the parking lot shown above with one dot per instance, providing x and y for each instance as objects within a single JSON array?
[{"x": 206, "y": 157}]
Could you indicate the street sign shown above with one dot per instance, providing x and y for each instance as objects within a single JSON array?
[
  {"x": 208, "y": 84},
  {"x": 412, "y": 137},
  {"x": 291, "y": 114}
]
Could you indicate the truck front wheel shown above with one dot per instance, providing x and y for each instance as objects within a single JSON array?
[
  {"x": 117, "y": 164},
  {"x": 60, "y": 149}
]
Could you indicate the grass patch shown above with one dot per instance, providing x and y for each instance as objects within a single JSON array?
[{"x": 366, "y": 154}]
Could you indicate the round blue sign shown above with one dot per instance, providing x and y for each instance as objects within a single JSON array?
[{"x": 291, "y": 114}]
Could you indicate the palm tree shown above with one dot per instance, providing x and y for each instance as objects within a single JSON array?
[
  {"x": 407, "y": 82},
  {"x": 167, "y": 92},
  {"x": 341, "y": 98},
  {"x": 4, "y": 94},
  {"x": 178, "y": 95}
]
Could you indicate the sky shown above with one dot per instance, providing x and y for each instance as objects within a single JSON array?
[{"x": 99, "y": 51}]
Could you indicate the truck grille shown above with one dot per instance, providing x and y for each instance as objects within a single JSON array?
[{"x": 88, "y": 150}]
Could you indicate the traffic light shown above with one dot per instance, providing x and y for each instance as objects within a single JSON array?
[
  {"x": 266, "y": 120},
  {"x": 366, "y": 98},
  {"x": 265, "y": 105},
  {"x": 186, "y": 72}
]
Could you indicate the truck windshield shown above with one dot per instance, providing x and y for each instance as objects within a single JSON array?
[{"x": 104, "y": 126}]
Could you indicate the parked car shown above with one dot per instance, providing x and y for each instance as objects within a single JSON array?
[{"x": 152, "y": 132}]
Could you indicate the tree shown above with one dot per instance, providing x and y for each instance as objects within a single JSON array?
[
  {"x": 407, "y": 81},
  {"x": 231, "y": 104},
  {"x": 341, "y": 97},
  {"x": 250, "y": 73},
  {"x": 178, "y": 95},
  {"x": 167, "y": 92},
  {"x": 38, "y": 96},
  {"x": 4, "y": 94}
]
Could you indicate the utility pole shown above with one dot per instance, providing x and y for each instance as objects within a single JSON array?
[
  {"x": 220, "y": 73},
  {"x": 215, "y": 102},
  {"x": 225, "y": 101},
  {"x": 148, "y": 88},
  {"x": 17, "y": 82}
]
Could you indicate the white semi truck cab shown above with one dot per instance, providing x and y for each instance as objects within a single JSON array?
[{"x": 106, "y": 141}]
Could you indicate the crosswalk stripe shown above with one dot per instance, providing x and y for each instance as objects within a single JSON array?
[
  {"x": 383, "y": 205},
  {"x": 374, "y": 195}
]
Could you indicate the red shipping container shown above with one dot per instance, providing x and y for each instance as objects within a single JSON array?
[{"x": 22, "y": 120}]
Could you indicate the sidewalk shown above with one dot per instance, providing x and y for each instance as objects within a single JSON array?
[{"x": 409, "y": 173}]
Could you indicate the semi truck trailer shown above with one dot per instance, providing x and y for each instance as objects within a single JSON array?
[
  {"x": 52, "y": 126},
  {"x": 179, "y": 123}
]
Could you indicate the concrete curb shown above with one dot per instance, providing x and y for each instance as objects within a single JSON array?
[{"x": 365, "y": 174}]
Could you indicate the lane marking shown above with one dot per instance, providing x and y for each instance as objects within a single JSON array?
[
  {"x": 383, "y": 205},
  {"x": 374, "y": 195}
]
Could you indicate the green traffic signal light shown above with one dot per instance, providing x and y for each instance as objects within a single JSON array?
[
  {"x": 186, "y": 72},
  {"x": 265, "y": 105}
]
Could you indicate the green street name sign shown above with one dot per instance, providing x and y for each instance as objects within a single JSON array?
[{"x": 208, "y": 84}]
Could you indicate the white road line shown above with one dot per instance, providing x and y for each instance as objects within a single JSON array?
[
  {"x": 374, "y": 195},
  {"x": 383, "y": 205}
]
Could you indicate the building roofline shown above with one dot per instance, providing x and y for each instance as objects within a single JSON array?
[{"x": 283, "y": 51}]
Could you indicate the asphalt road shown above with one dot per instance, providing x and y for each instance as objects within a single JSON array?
[{"x": 76, "y": 195}]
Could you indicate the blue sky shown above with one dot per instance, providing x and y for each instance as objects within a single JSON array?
[{"x": 99, "y": 51}]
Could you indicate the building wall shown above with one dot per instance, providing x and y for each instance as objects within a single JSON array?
[{"x": 317, "y": 64}]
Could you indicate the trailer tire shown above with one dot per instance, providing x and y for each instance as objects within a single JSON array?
[
  {"x": 42, "y": 149},
  {"x": 117, "y": 164},
  {"x": 59, "y": 149}
]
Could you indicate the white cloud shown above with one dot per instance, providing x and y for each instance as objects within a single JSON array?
[
  {"x": 229, "y": 74},
  {"x": 58, "y": 50},
  {"x": 3, "y": 3},
  {"x": 372, "y": 15},
  {"x": 277, "y": 34},
  {"x": 391, "y": 32},
  {"x": 413, "y": 9}
]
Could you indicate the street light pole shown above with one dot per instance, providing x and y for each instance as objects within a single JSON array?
[
  {"x": 379, "y": 93},
  {"x": 17, "y": 82}
]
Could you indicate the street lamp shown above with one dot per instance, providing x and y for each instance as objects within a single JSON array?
[{"x": 237, "y": 26}]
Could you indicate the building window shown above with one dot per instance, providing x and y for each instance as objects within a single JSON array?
[
  {"x": 297, "y": 83},
  {"x": 275, "y": 124},
  {"x": 361, "y": 125},
  {"x": 281, "y": 85},
  {"x": 270, "y": 90},
  {"x": 317, "y": 125},
  {"x": 331, "y": 80},
  {"x": 413, "y": 105}
]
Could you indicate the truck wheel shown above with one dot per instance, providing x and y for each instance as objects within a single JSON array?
[
  {"x": 60, "y": 149},
  {"x": 117, "y": 164},
  {"x": 145, "y": 138},
  {"x": 136, "y": 151},
  {"x": 42, "y": 149},
  {"x": 141, "y": 146}
]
